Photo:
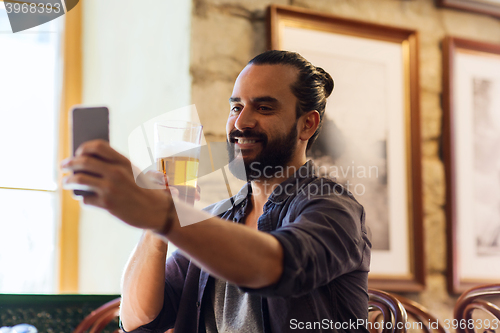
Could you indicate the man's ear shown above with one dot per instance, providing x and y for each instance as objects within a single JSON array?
[{"x": 309, "y": 125}]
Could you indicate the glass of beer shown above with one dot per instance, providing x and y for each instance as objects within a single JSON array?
[{"x": 177, "y": 155}]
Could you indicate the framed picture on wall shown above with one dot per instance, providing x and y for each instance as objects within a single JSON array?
[
  {"x": 471, "y": 149},
  {"x": 370, "y": 140},
  {"x": 489, "y": 7}
]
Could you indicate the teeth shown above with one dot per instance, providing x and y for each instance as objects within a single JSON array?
[{"x": 243, "y": 141}]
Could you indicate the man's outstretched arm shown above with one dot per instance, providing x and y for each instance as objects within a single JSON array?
[{"x": 229, "y": 251}]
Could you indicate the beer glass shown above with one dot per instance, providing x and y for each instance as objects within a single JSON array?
[{"x": 177, "y": 154}]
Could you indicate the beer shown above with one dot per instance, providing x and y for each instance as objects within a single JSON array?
[
  {"x": 179, "y": 161},
  {"x": 182, "y": 173},
  {"x": 177, "y": 155}
]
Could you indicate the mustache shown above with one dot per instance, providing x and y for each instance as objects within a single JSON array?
[{"x": 247, "y": 134}]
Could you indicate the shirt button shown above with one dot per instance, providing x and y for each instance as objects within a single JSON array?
[
  {"x": 197, "y": 304},
  {"x": 235, "y": 219}
]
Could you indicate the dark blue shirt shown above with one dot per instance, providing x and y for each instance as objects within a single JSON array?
[{"x": 323, "y": 288}]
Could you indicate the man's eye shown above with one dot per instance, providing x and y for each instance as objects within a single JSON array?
[
  {"x": 235, "y": 109},
  {"x": 264, "y": 108}
]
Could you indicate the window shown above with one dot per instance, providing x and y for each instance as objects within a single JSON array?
[{"x": 30, "y": 85}]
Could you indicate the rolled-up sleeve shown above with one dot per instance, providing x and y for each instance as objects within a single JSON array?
[{"x": 323, "y": 238}]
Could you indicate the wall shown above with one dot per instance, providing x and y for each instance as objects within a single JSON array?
[
  {"x": 136, "y": 62},
  {"x": 227, "y": 33}
]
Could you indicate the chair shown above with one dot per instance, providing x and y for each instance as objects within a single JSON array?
[
  {"x": 382, "y": 305},
  {"x": 420, "y": 314},
  {"x": 97, "y": 320},
  {"x": 470, "y": 301}
]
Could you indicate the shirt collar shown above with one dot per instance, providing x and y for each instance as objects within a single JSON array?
[{"x": 292, "y": 184}]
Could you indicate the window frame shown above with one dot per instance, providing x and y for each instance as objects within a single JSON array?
[{"x": 71, "y": 94}]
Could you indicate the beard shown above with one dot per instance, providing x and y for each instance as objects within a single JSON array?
[{"x": 274, "y": 155}]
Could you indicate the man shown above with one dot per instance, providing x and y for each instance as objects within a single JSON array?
[{"x": 296, "y": 255}]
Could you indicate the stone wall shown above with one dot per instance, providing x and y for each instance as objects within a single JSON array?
[{"x": 227, "y": 33}]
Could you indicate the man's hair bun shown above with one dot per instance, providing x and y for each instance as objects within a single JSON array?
[{"x": 327, "y": 81}]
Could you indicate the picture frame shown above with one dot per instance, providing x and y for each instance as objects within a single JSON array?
[
  {"x": 375, "y": 69},
  {"x": 488, "y": 7},
  {"x": 471, "y": 93}
]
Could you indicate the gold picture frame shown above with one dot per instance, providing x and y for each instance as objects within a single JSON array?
[
  {"x": 488, "y": 7},
  {"x": 471, "y": 71}
]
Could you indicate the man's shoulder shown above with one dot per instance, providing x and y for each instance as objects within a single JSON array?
[
  {"x": 330, "y": 199},
  {"x": 327, "y": 188}
]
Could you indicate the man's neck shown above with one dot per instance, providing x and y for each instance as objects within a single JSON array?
[{"x": 262, "y": 188}]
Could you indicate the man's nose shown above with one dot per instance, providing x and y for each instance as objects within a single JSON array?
[{"x": 245, "y": 119}]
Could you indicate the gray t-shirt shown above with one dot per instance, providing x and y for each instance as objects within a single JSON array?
[{"x": 230, "y": 310}]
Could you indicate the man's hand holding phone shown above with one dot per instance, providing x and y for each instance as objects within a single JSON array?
[
  {"x": 104, "y": 178},
  {"x": 108, "y": 174}
]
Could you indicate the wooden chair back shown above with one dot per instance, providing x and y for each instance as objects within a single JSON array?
[
  {"x": 98, "y": 319},
  {"x": 384, "y": 306},
  {"x": 420, "y": 315},
  {"x": 473, "y": 299}
]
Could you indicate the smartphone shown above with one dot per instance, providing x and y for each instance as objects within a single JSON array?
[{"x": 88, "y": 123}]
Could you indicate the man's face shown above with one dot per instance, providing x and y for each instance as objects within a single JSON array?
[{"x": 262, "y": 123}]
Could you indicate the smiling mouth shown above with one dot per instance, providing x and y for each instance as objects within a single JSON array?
[{"x": 245, "y": 141}]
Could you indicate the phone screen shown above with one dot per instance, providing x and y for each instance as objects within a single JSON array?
[{"x": 88, "y": 124}]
